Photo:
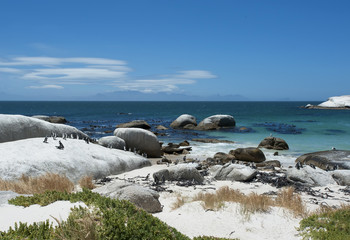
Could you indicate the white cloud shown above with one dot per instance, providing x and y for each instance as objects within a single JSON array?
[
  {"x": 153, "y": 85},
  {"x": 46, "y": 86},
  {"x": 73, "y": 73},
  {"x": 49, "y": 61},
  {"x": 52, "y": 72},
  {"x": 196, "y": 74},
  {"x": 10, "y": 70}
]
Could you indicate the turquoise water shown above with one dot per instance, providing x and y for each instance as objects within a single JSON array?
[{"x": 308, "y": 129}]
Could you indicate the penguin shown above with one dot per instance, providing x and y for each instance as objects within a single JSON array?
[
  {"x": 298, "y": 165},
  {"x": 184, "y": 158},
  {"x": 45, "y": 140},
  {"x": 335, "y": 167},
  {"x": 60, "y": 146},
  {"x": 313, "y": 166}
]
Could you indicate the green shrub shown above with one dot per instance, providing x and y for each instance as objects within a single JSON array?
[
  {"x": 332, "y": 225},
  {"x": 114, "y": 219}
]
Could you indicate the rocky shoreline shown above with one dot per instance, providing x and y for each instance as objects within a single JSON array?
[{"x": 133, "y": 164}]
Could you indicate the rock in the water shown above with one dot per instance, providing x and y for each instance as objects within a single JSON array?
[
  {"x": 274, "y": 143},
  {"x": 337, "y": 102},
  {"x": 184, "y": 120},
  {"x": 140, "y": 139},
  {"x": 51, "y": 119},
  {"x": 223, "y": 158},
  {"x": 333, "y": 159},
  {"x": 184, "y": 144},
  {"x": 32, "y": 157},
  {"x": 180, "y": 172},
  {"x": 211, "y": 140},
  {"x": 309, "y": 176},
  {"x": 216, "y": 122},
  {"x": 135, "y": 124},
  {"x": 250, "y": 154},
  {"x": 342, "y": 177},
  {"x": 16, "y": 127},
  {"x": 160, "y": 127},
  {"x": 112, "y": 142},
  {"x": 234, "y": 172},
  {"x": 142, "y": 197}
]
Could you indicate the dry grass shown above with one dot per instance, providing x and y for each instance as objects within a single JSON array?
[
  {"x": 288, "y": 199},
  {"x": 31, "y": 185},
  {"x": 250, "y": 203},
  {"x": 86, "y": 182}
]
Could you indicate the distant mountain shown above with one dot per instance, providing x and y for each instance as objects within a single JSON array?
[{"x": 138, "y": 96}]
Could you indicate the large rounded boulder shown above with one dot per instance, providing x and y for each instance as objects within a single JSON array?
[
  {"x": 135, "y": 124},
  {"x": 112, "y": 142},
  {"x": 17, "y": 127},
  {"x": 142, "y": 197},
  {"x": 216, "y": 122},
  {"x": 250, "y": 154},
  {"x": 274, "y": 143},
  {"x": 333, "y": 159},
  {"x": 140, "y": 139},
  {"x": 184, "y": 121}
]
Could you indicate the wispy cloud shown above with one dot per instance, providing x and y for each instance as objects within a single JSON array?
[
  {"x": 46, "y": 86},
  {"x": 10, "y": 70},
  {"x": 196, "y": 74},
  {"x": 25, "y": 61},
  {"x": 51, "y": 72}
]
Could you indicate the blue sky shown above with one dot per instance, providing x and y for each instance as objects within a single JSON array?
[{"x": 261, "y": 50}]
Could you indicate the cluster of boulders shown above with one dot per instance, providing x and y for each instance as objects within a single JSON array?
[{"x": 215, "y": 122}]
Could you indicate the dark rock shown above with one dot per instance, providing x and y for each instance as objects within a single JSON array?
[
  {"x": 216, "y": 122},
  {"x": 184, "y": 144},
  {"x": 160, "y": 127},
  {"x": 274, "y": 143},
  {"x": 274, "y": 163},
  {"x": 324, "y": 159},
  {"x": 250, "y": 154},
  {"x": 52, "y": 119},
  {"x": 223, "y": 158},
  {"x": 184, "y": 120},
  {"x": 135, "y": 124},
  {"x": 211, "y": 140}
]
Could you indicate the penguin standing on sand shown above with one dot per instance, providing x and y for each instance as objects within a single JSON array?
[{"x": 45, "y": 140}]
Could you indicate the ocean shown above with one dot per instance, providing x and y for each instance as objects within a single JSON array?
[{"x": 305, "y": 130}]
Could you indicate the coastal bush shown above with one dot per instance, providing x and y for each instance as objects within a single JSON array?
[
  {"x": 105, "y": 218},
  {"x": 31, "y": 185},
  {"x": 329, "y": 224}
]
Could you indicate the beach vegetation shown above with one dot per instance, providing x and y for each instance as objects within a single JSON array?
[
  {"x": 86, "y": 182},
  {"x": 327, "y": 223},
  {"x": 251, "y": 203},
  {"x": 40, "y": 184},
  {"x": 105, "y": 218}
]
